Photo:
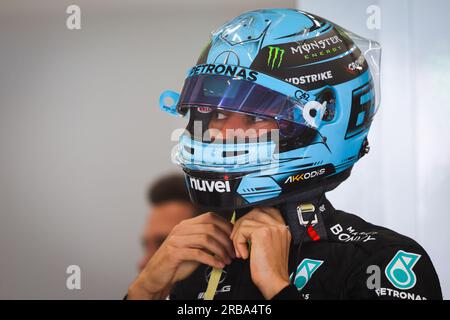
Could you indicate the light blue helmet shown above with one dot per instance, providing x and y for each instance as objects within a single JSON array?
[{"x": 319, "y": 83}]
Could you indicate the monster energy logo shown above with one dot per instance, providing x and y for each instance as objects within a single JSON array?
[{"x": 274, "y": 54}]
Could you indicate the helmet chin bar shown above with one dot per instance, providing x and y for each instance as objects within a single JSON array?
[{"x": 226, "y": 202}]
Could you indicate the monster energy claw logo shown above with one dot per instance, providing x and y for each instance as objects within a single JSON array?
[
  {"x": 399, "y": 270},
  {"x": 305, "y": 271},
  {"x": 275, "y": 54}
]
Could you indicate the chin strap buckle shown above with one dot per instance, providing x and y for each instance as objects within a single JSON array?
[
  {"x": 311, "y": 222},
  {"x": 306, "y": 208}
]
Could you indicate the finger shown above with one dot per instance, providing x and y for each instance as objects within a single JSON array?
[
  {"x": 247, "y": 216},
  {"x": 211, "y": 217},
  {"x": 269, "y": 214},
  {"x": 274, "y": 213},
  {"x": 282, "y": 236},
  {"x": 202, "y": 241},
  {"x": 188, "y": 254},
  {"x": 213, "y": 231},
  {"x": 265, "y": 217},
  {"x": 243, "y": 234},
  {"x": 255, "y": 215},
  {"x": 241, "y": 247}
]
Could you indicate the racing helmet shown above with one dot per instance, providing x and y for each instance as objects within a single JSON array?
[{"x": 317, "y": 82}]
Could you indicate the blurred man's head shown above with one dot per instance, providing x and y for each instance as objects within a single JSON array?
[{"x": 170, "y": 204}]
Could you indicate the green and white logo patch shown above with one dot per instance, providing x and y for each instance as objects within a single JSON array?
[
  {"x": 399, "y": 270},
  {"x": 305, "y": 271}
]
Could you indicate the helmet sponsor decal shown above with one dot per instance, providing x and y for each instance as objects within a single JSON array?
[
  {"x": 302, "y": 96},
  {"x": 317, "y": 48},
  {"x": 225, "y": 70},
  {"x": 305, "y": 176},
  {"x": 275, "y": 57},
  {"x": 209, "y": 185},
  {"x": 327, "y": 59},
  {"x": 357, "y": 65},
  {"x": 310, "y": 78},
  {"x": 399, "y": 270},
  {"x": 204, "y": 109},
  {"x": 363, "y": 110}
]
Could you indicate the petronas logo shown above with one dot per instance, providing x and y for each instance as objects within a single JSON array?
[
  {"x": 275, "y": 57},
  {"x": 399, "y": 270},
  {"x": 305, "y": 271}
]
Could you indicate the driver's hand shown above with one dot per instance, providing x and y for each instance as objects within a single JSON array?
[
  {"x": 203, "y": 239},
  {"x": 270, "y": 240}
]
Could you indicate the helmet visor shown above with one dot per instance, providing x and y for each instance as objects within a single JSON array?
[{"x": 238, "y": 95}]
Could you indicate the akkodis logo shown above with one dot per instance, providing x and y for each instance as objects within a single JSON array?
[
  {"x": 275, "y": 57},
  {"x": 399, "y": 270},
  {"x": 305, "y": 271}
]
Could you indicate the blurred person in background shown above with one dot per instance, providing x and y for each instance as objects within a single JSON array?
[{"x": 170, "y": 204}]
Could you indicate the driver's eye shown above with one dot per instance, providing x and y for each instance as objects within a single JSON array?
[
  {"x": 255, "y": 119},
  {"x": 258, "y": 119},
  {"x": 220, "y": 115}
]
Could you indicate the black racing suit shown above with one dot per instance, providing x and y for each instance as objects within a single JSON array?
[{"x": 333, "y": 255}]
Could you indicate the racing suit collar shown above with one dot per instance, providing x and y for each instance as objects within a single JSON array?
[
  {"x": 298, "y": 220},
  {"x": 305, "y": 218}
]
